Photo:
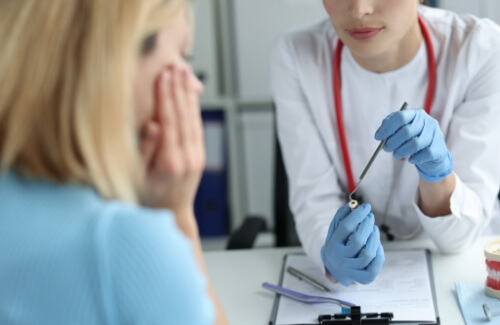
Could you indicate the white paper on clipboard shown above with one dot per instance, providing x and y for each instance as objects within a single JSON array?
[{"x": 404, "y": 287}]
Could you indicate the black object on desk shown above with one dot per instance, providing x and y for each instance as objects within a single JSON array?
[{"x": 356, "y": 317}]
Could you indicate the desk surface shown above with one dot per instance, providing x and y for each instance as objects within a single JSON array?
[{"x": 238, "y": 275}]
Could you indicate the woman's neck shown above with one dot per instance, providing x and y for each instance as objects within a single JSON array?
[{"x": 400, "y": 54}]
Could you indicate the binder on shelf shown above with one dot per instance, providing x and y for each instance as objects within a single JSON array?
[
  {"x": 210, "y": 205},
  {"x": 434, "y": 3}
]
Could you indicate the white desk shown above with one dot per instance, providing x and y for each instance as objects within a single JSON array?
[{"x": 238, "y": 275}]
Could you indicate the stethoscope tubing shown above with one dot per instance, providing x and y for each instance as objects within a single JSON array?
[{"x": 337, "y": 94}]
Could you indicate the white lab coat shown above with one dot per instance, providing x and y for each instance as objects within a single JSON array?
[{"x": 466, "y": 104}]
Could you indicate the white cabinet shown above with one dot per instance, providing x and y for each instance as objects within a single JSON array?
[
  {"x": 258, "y": 148},
  {"x": 256, "y": 24},
  {"x": 210, "y": 61},
  {"x": 231, "y": 51}
]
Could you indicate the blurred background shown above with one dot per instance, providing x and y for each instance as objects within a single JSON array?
[{"x": 230, "y": 56}]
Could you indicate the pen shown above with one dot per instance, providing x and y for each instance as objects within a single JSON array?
[{"x": 301, "y": 276}]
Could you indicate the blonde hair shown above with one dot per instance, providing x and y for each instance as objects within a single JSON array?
[{"x": 66, "y": 77}]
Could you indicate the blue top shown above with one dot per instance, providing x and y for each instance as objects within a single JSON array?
[{"x": 69, "y": 257}]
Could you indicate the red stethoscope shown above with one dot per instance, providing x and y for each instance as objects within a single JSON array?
[{"x": 338, "y": 96}]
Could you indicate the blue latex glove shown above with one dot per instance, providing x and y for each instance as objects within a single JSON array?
[
  {"x": 352, "y": 249},
  {"x": 414, "y": 134}
]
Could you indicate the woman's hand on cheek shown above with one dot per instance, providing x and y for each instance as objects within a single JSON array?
[
  {"x": 172, "y": 145},
  {"x": 149, "y": 139}
]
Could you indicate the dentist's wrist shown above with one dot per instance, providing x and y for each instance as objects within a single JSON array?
[{"x": 437, "y": 174}]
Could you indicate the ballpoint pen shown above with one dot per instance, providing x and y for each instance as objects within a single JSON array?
[{"x": 301, "y": 276}]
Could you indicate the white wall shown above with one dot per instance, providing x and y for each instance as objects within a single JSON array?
[
  {"x": 482, "y": 8},
  {"x": 461, "y": 6},
  {"x": 204, "y": 51},
  {"x": 491, "y": 9},
  {"x": 257, "y": 24}
]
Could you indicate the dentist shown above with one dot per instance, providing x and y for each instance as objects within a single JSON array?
[{"x": 338, "y": 86}]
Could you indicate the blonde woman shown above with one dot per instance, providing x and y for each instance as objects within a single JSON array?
[{"x": 101, "y": 152}]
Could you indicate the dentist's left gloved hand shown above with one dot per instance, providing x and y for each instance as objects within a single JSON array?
[
  {"x": 352, "y": 251},
  {"x": 414, "y": 134}
]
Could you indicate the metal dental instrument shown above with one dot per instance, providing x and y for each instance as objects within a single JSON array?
[
  {"x": 370, "y": 162},
  {"x": 489, "y": 315}
]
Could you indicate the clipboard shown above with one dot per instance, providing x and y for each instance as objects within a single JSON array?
[{"x": 419, "y": 280}]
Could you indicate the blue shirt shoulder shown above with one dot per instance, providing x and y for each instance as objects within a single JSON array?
[{"x": 69, "y": 257}]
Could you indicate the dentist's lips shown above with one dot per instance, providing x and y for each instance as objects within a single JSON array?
[{"x": 362, "y": 34}]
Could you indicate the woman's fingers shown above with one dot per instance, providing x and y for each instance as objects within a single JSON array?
[
  {"x": 175, "y": 155},
  {"x": 194, "y": 114},
  {"x": 149, "y": 142},
  {"x": 196, "y": 123},
  {"x": 189, "y": 118},
  {"x": 166, "y": 160},
  {"x": 181, "y": 107},
  {"x": 181, "y": 149}
]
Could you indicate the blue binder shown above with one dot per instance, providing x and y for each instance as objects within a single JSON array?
[
  {"x": 210, "y": 205},
  {"x": 434, "y": 3}
]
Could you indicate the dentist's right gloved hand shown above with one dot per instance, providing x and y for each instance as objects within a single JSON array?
[
  {"x": 414, "y": 134},
  {"x": 352, "y": 251}
]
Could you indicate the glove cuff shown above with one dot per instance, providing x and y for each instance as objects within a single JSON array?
[{"x": 448, "y": 164}]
